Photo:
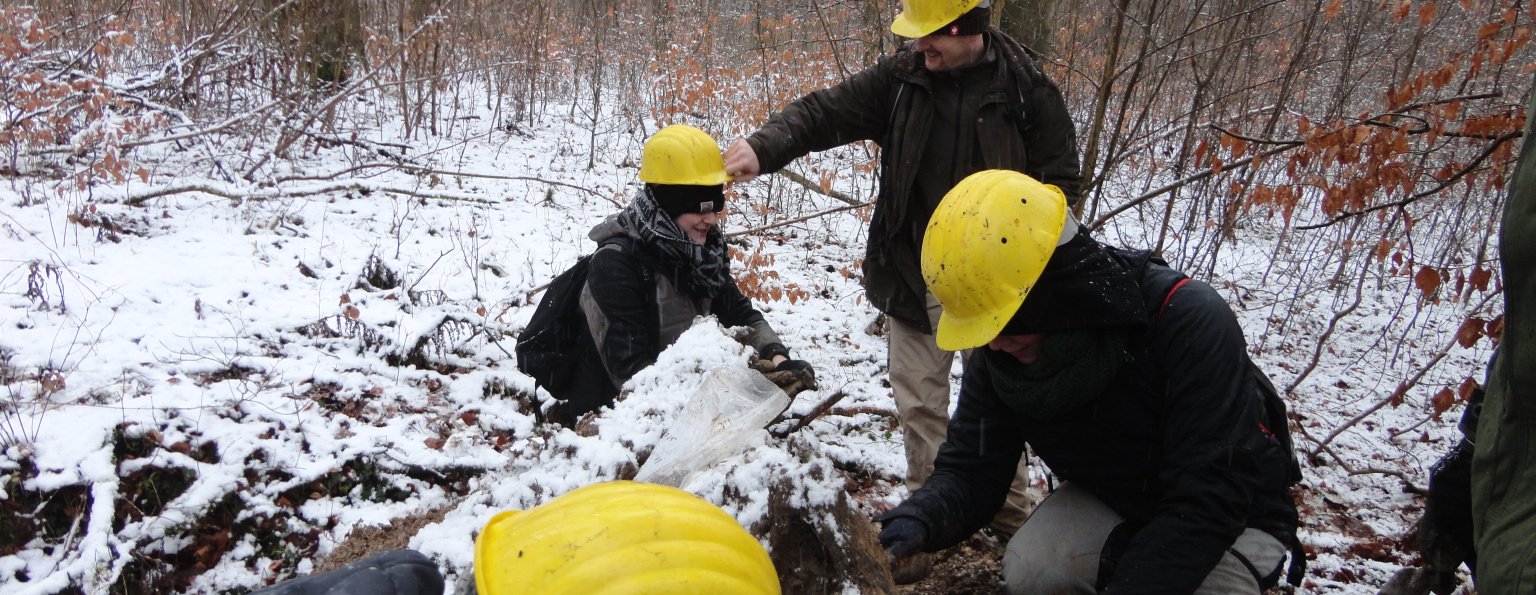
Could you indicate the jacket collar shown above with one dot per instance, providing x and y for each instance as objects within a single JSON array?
[{"x": 1002, "y": 54}]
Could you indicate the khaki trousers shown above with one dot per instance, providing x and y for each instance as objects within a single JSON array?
[
  {"x": 1057, "y": 551},
  {"x": 920, "y": 384}
]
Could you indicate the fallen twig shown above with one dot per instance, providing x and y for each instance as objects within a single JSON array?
[
  {"x": 819, "y": 410},
  {"x": 416, "y": 169},
  {"x": 267, "y": 194},
  {"x": 1408, "y": 484}
]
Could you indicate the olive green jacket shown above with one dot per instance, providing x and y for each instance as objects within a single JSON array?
[{"x": 1504, "y": 466}]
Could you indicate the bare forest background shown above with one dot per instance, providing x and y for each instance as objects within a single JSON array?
[
  {"x": 1366, "y": 140},
  {"x": 1376, "y": 135}
]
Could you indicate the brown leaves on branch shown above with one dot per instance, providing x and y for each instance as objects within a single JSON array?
[
  {"x": 1446, "y": 397},
  {"x": 1442, "y": 401},
  {"x": 1474, "y": 328},
  {"x": 1427, "y": 280},
  {"x": 758, "y": 281},
  {"x": 57, "y": 101}
]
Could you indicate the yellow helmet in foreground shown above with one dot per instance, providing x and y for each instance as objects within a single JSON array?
[
  {"x": 986, "y": 245},
  {"x": 621, "y": 537},
  {"x": 682, "y": 155},
  {"x": 921, "y": 17}
]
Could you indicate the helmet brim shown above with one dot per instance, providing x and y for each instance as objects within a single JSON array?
[
  {"x": 906, "y": 27},
  {"x": 957, "y": 333}
]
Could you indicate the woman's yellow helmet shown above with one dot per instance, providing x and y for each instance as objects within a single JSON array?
[{"x": 682, "y": 155}]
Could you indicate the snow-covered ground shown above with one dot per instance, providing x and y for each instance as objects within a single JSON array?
[{"x": 231, "y": 388}]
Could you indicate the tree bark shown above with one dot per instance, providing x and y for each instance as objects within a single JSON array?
[{"x": 1026, "y": 21}]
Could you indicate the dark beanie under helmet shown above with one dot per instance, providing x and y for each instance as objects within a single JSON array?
[
  {"x": 973, "y": 22},
  {"x": 1083, "y": 287},
  {"x": 679, "y": 199}
]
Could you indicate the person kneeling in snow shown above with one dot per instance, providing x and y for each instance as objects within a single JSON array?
[
  {"x": 1131, "y": 381},
  {"x": 660, "y": 264}
]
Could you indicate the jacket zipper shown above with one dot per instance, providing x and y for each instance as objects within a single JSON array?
[{"x": 954, "y": 154}]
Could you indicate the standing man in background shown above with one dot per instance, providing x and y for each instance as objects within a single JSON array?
[{"x": 959, "y": 98}]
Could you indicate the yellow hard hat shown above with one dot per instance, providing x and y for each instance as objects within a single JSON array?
[
  {"x": 621, "y": 537},
  {"x": 921, "y": 17},
  {"x": 986, "y": 245},
  {"x": 683, "y": 155}
]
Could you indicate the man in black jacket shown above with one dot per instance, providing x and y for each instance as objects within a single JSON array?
[
  {"x": 1131, "y": 381},
  {"x": 959, "y": 98}
]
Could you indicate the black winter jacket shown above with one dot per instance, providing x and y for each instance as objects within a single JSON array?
[
  {"x": 1178, "y": 444},
  {"x": 635, "y": 309},
  {"x": 1022, "y": 125}
]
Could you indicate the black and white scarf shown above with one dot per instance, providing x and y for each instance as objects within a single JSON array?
[{"x": 700, "y": 270}]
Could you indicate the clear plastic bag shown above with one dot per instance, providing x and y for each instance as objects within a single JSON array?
[{"x": 728, "y": 411}]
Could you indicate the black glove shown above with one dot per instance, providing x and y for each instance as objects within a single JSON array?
[
  {"x": 903, "y": 536},
  {"x": 802, "y": 371}
]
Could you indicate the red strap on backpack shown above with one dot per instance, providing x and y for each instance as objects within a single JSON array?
[{"x": 1169, "y": 297}]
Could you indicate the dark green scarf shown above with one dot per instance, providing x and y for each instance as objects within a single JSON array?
[{"x": 1073, "y": 369}]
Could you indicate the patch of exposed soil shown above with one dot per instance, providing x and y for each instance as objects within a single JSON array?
[
  {"x": 975, "y": 566},
  {"x": 367, "y": 541}
]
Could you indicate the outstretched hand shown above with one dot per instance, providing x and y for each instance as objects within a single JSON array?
[{"x": 741, "y": 162}]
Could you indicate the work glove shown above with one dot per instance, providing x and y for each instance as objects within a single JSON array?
[
  {"x": 786, "y": 375},
  {"x": 802, "y": 371},
  {"x": 903, "y": 536}
]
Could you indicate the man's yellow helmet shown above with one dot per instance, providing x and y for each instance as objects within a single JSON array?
[
  {"x": 682, "y": 155},
  {"x": 986, "y": 245},
  {"x": 921, "y": 17},
  {"x": 621, "y": 537}
]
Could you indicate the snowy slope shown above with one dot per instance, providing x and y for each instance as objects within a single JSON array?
[{"x": 229, "y": 389}]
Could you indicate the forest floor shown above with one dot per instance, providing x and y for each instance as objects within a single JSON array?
[{"x": 973, "y": 567}]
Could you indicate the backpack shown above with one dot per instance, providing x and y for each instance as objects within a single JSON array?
[
  {"x": 556, "y": 338},
  {"x": 1276, "y": 423}
]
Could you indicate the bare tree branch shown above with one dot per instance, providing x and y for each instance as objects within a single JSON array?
[
  {"x": 1186, "y": 180},
  {"x": 778, "y": 224},
  {"x": 1402, "y": 389},
  {"x": 416, "y": 169},
  {"x": 814, "y": 187},
  {"x": 1487, "y": 151}
]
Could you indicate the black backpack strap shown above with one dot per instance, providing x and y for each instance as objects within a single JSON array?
[{"x": 626, "y": 245}]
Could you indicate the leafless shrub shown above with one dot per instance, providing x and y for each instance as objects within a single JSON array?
[
  {"x": 341, "y": 326},
  {"x": 442, "y": 347},
  {"x": 45, "y": 285},
  {"x": 378, "y": 276}
]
